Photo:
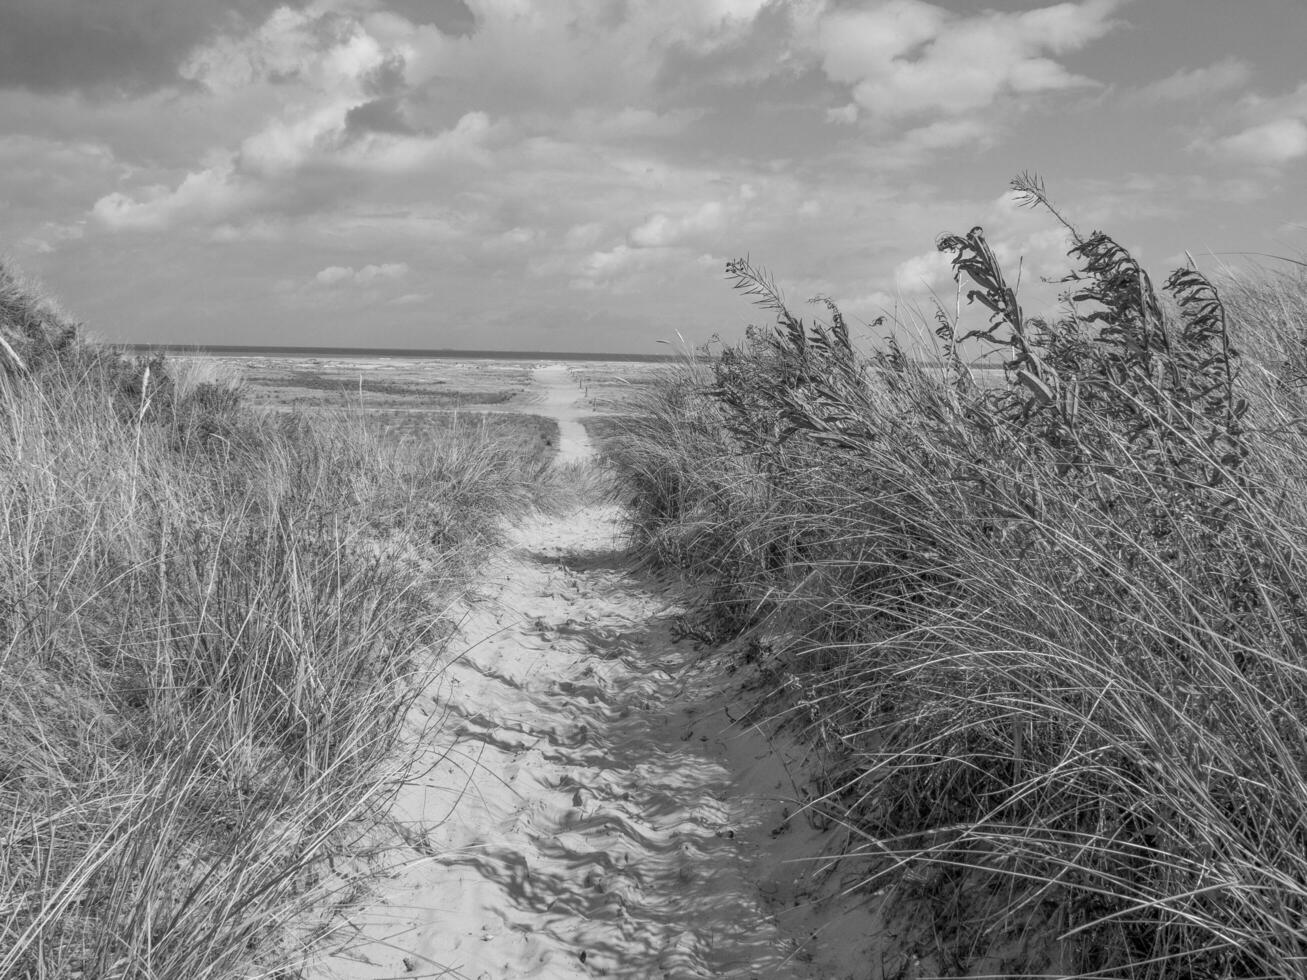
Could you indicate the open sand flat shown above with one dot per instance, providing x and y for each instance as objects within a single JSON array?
[{"x": 591, "y": 809}]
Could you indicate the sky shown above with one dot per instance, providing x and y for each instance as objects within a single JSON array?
[{"x": 573, "y": 175}]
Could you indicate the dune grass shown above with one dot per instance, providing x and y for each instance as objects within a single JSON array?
[
  {"x": 1048, "y": 624},
  {"x": 214, "y": 624}
]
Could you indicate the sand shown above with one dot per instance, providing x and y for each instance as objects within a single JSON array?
[{"x": 592, "y": 807}]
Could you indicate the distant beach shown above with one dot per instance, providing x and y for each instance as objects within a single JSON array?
[{"x": 440, "y": 354}]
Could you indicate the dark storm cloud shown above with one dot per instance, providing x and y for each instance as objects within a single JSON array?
[{"x": 58, "y": 45}]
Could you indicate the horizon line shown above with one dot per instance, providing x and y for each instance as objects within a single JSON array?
[{"x": 409, "y": 352}]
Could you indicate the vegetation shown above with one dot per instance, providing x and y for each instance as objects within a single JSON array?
[
  {"x": 214, "y": 623},
  {"x": 374, "y": 386},
  {"x": 1048, "y": 624},
  {"x": 527, "y": 435}
]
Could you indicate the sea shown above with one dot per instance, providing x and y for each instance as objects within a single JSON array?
[{"x": 230, "y": 350}]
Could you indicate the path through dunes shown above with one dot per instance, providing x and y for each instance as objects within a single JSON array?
[{"x": 591, "y": 810}]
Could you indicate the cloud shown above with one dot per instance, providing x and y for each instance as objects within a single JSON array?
[
  {"x": 291, "y": 167},
  {"x": 629, "y": 122},
  {"x": 664, "y": 240},
  {"x": 208, "y": 195},
  {"x": 660, "y": 244},
  {"x": 514, "y": 239},
  {"x": 583, "y": 235},
  {"x": 51, "y": 235},
  {"x": 254, "y": 230},
  {"x": 336, "y": 275},
  {"x": 1267, "y": 131},
  {"x": 322, "y": 74},
  {"x": 582, "y": 52},
  {"x": 942, "y": 135},
  {"x": 377, "y": 116},
  {"x": 381, "y": 153},
  {"x": 448, "y": 16},
  {"x": 1198, "y": 83},
  {"x": 660, "y": 230},
  {"x": 621, "y": 269},
  {"x": 535, "y": 152},
  {"x": 61, "y": 45},
  {"x": 321, "y": 49},
  {"x": 1271, "y": 143},
  {"x": 923, "y": 273},
  {"x": 38, "y": 173},
  {"x": 907, "y": 58},
  {"x": 285, "y": 145},
  {"x": 410, "y": 299}
]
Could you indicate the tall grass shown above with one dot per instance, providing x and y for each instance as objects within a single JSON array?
[
  {"x": 214, "y": 624},
  {"x": 1049, "y": 628}
]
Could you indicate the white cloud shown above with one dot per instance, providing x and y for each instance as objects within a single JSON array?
[
  {"x": 1224, "y": 76},
  {"x": 944, "y": 134},
  {"x": 255, "y": 230},
  {"x": 622, "y": 268},
  {"x": 410, "y": 299},
  {"x": 284, "y": 145},
  {"x": 904, "y": 58},
  {"x": 923, "y": 273},
  {"x": 857, "y": 43},
  {"x": 1276, "y": 142},
  {"x": 519, "y": 236},
  {"x": 661, "y": 229},
  {"x": 206, "y": 195},
  {"x": 335, "y": 275},
  {"x": 603, "y": 264},
  {"x": 1268, "y": 131},
  {"x": 318, "y": 48},
  {"x": 390, "y": 154},
  {"x": 372, "y": 273},
  {"x": 314, "y": 67},
  {"x": 266, "y": 173}
]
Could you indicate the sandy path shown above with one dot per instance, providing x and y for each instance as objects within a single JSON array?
[
  {"x": 592, "y": 811},
  {"x": 553, "y": 394}
]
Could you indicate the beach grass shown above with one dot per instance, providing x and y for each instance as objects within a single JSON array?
[
  {"x": 1045, "y": 625},
  {"x": 215, "y": 621}
]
